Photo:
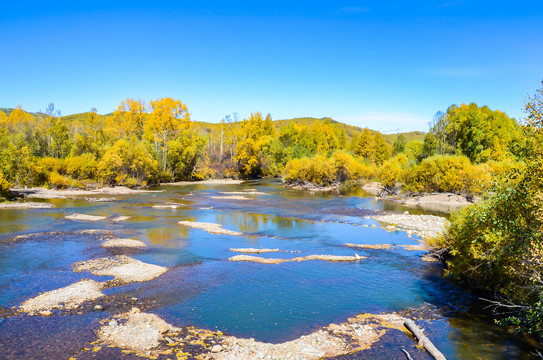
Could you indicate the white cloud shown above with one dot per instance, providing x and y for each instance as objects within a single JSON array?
[{"x": 387, "y": 122}]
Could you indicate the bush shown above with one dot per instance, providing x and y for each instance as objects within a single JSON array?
[
  {"x": 84, "y": 166},
  {"x": 447, "y": 173},
  {"x": 57, "y": 181},
  {"x": 392, "y": 172}
]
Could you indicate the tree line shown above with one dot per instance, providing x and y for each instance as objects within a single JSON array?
[{"x": 147, "y": 143}]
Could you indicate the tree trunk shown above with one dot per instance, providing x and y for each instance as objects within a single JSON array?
[{"x": 423, "y": 340}]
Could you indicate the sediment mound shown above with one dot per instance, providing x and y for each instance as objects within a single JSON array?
[
  {"x": 123, "y": 268},
  {"x": 167, "y": 206},
  {"x": 262, "y": 260},
  {"x": 68, "y": 297},
  {"x": 387, "y": 246},
  {"x": 25, "y": 205},
  {"x": 253, "y": 250},
  {"x": 134, "y": 330},
  {"x": 231, "y": 197},
  {"x": 426, "y": 226},
  {"x": 211, "y": 228},
  {"x": 85, "y": 217},
  {"x": 243, "y": 193},
  {"x": 128, "y": 243}
]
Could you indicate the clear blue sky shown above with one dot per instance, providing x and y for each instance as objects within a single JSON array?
[{"x": 381, "y": 64}]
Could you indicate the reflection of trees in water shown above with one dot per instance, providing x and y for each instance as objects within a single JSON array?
[
  {"x": 167, "y": 236},
  {"x": 252, "y": 222}
]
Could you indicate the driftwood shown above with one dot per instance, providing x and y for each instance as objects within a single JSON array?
[{"x": 423, "y": 340}]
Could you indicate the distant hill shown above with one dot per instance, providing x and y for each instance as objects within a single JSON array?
[
  {"x": 409, "y": 136},
  {"x": 204, "y": 127}
]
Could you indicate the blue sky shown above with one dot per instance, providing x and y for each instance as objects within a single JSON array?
[{"x": 385, "y": 65}]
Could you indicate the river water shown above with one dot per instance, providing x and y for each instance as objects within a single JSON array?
[{"x": 272, "y": 303}]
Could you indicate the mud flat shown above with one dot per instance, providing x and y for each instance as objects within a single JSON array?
[
  {"x": 85, "y": 217},
  {"x": 126, "y": 243},
  {"x": 68, "y": 297},
  {"x": 262, "y": 260},
  {"x": 44, "y": 193},
  {"x": 25, "y": 205},
  {"x": 207, "y": 182},
  {"x": 211, "y": 228},
  {"x": 253, "y": 250},
  {"x": 426, "y": 226},
  {"x": 123, "y": 268}
]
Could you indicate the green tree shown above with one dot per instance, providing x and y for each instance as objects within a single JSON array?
[{"x": 399, "y": 144}]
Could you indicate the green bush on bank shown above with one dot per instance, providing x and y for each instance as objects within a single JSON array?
[{"x": 497, "y": 245}]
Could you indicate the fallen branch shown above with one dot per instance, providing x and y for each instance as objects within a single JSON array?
[{"x": 423, "y": 340}]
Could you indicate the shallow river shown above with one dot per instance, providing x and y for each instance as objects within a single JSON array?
[{"x": 272, "y": 303}]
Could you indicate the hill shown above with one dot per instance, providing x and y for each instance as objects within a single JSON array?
[{"x": 204, "y": 127}]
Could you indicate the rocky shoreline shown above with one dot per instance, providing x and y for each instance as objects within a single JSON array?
[
  {"x": 43, "y": 193},
  {"x": 147, "y": 335}
]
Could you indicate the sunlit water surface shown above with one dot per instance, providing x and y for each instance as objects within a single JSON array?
[{"x": 272, "y": 303}]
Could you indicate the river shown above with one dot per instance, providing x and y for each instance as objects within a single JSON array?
[{"x": 271, "y": 303}]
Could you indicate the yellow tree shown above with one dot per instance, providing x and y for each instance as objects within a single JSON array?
[
  {"x": 129, "y": 118},
  {"x": 364, "y": 145},
  {"x": 4, "y": 120},
  {"x": 167, "y": 119},
  {"x": 19, "y": 119},
  {"x": 248, "y": 148}
]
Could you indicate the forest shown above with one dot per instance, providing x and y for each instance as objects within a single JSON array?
[{"x": 149, "y": 143}]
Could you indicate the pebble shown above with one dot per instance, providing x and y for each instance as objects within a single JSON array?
[
  {"x": 98, "y": 307},
  {"x": 112, "y": 323},
  {"x": 45, "y": 313},
  {"x": 216, "y": 349},
  {"x": 134, "y": 299}
]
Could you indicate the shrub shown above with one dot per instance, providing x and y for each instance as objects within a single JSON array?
[{"x": 447, "y": 173}]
